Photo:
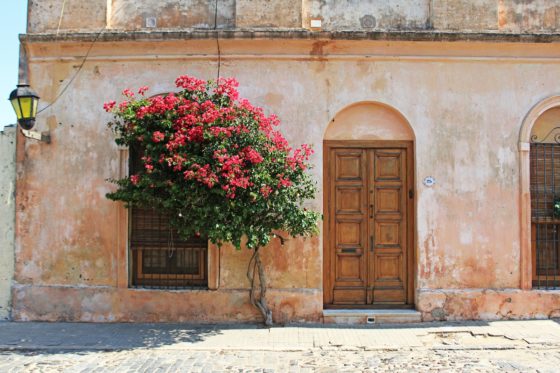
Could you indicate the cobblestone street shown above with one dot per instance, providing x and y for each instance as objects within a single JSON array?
[
  {"x": 316, "y": 360},
  {"x": 523, "y": 346}
]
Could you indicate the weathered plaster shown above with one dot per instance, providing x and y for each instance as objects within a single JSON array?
[
  {"x": 7, "y": 217},
  {"x": 529, "y": 15},
  {"x": 488, "y": 304},
  {"x": 133, "y": 14},
  {"x": 369, "y": 14},
  {"x": 268, "y": 13},
  {"x": 53, "y": 15},
  {"x": 464, "y": 102},
  {"x": 106, "y": 304},
  {"x": 497, "y": 16},
  {"x": 465, "y": 15}
]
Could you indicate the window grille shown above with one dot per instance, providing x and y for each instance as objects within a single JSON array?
[
  {"x": 160, "y": 259},
  {"x": 545, "y": 214}
]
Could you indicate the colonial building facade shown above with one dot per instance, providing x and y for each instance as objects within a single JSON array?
[{"x": 436, "y": 155}]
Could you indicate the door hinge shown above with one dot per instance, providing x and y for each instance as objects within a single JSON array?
[{"x": 410, "y": 193}]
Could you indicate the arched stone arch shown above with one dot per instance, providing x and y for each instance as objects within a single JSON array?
[
  {"x": 525, "y": 196},
  {"x": 369, "y": 120}
]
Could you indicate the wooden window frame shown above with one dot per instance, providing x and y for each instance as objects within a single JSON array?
[{"x": 123, "y": 257}]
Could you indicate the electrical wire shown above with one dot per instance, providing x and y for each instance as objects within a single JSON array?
[
  {"x": 76, "y": 73},
  {"x": 217, "y": 40},
  {"x": 83, "y": 61}
]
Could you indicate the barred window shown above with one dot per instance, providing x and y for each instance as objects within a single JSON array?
[
  {"x": 545, "y": 214},
  {"x": 159, "y": 258}
]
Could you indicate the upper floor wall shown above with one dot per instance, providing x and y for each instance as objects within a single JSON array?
[{"x": 506, "y": 16}]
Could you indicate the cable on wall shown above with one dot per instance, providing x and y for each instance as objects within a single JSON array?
[
  {"x": 60, "y": 18},
  {"x": 217, "y": 40},
  {"x": 98, "y": 35},
  {"x": 75, "y": 74}
]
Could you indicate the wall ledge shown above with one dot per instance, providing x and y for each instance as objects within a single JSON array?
[{"x": 296, "y": 34}]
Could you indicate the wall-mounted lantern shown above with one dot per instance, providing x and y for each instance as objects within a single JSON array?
[{"x": 25, "y": 102}]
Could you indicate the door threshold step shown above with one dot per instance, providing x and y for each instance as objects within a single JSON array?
[{"x": 377, "y": 316}]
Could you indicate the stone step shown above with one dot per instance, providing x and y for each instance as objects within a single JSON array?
[{"x": 378, "y": 316}]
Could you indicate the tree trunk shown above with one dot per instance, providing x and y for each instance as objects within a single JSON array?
[{"x": 256, "y": 268}]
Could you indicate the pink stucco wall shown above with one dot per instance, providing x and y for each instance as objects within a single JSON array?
[{"x": 465, "y": 103}]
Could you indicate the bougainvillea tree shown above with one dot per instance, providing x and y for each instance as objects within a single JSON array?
[{"x": 217, "y": 166}]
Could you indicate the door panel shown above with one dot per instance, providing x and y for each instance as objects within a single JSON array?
[
  {"x": 350, "y": 226},
  {"x": 349, "y": 165},
  {"x": 349, "y": 200},
  {"x": 388, "y": 200},
  {"x": 367, "y": 241},
  {"x": 389, "y": 269}
]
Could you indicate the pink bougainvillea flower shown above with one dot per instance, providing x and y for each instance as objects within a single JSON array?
[
  {"x": 228, "y": 86},
  {"x": 128, "y": 93},
  {"x": 190, "y": 83},
  {"x": 109, "y": 106},
  {"x": 158, "y": 136}
]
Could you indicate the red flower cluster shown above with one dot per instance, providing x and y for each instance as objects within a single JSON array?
[
  {"x": 252, "y": 155},
  {"x": 228, "y": 87},
  {"x": 157, "y": 105},
  {"x": 109, "y": 106},
  {"x": 300, "y": 157},
  {"x": 190, "y": 83},
  {"x": 128, "y": 93},
  {"x": 158, "y": 136},
  {"x": 199, "y": 117},
  {"x": 202, "y": 174}
]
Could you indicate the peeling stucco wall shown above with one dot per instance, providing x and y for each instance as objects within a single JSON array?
[
  {"x": 506, "y": 16},
  {"x": 50, "y": 15},
  {"x": 133, "y": 14},
  {"x": 464, "y": 101},
  {"x": 473, "y": 15},
  {"x": 268, "y": 13},
  {"x": 368, "y": 15},
  {"x": 529, "y": 15},
  {"x": 7, "y": 217}
]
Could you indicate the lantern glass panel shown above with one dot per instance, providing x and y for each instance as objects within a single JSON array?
[
  {"x": 26, "y": 106},
  {"x": 34, "y": 109},
  {"x": 17, "y": 109}
]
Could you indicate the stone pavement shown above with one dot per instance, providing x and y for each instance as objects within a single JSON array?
[{"x": 522, "y": 346}]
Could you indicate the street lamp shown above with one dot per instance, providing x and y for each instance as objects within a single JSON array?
[{"x": 25, "y": 102}]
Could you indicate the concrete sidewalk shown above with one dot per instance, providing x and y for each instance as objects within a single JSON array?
[{"x": 115, "y": 337}]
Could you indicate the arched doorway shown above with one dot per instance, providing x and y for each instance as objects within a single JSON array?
[
  {"x": 369, "y": 208},
  {"x": 539, "y": 148}
]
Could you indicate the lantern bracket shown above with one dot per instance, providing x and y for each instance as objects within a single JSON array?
[{"x": 35, "y": 135}]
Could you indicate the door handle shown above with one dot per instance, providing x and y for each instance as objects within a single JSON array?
[
  {"x": 371, "y": 211},
  {"x": 371, "y": 244}
]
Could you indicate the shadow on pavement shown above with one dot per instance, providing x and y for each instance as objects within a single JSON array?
[{"x": 22, "y": 336}]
